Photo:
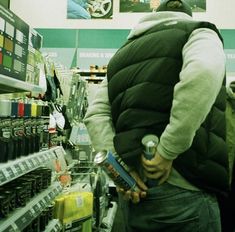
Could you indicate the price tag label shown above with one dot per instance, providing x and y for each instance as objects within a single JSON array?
[
  {"x": 6, "y": 174},
  {"x": 42, "y": 204},
  {"x": 31, "y": 164},
  {"x": 14, "y": 171},
  {"x": 34, "y": 162},
  {"x": 18, "y": 169},
  {"x": 25, "y": 165},
  {"x": 22, "y": 167},
  {"x": 24, "y": 220},
  {"x": 51, "y": 195},
  {"x": 28, "y": 164},
  {"x": 2, "y": 177},
  {"x": 47, "y": 199},
  {"x": 33, "y": 212},
  {"x": 30, "y": 214},
  {"x": 10, "y": 172},
  {"x": 37, "y": 209},
  {"x": 37, "y": 161},
  {"x": 9, "y": 229}
]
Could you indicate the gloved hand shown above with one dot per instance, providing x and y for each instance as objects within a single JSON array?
[
  {"x": 131, "y": 195},
  {"x": 157, "y": 168}
]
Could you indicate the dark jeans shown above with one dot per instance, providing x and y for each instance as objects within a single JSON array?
[
  {"x": 168, "y": 208},
  {"x": 227, "y": 208}
]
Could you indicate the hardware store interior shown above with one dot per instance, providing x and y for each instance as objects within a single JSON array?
[{"x": 52, "y": 63}]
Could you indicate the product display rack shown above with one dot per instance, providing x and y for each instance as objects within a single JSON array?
[
  {"x": 22, "y": 217},
  {"x": 10, "y": 85},
  {"x": 31, "y": 208},
  {"x": 16, "y": 168}
]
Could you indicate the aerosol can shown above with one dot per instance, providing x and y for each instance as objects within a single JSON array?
[
  {"x": 150, "y": 143},
  {"x": 116, "y": 169}
]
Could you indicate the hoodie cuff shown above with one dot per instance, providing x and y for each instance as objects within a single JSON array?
[{"x": 165, "y": 153}]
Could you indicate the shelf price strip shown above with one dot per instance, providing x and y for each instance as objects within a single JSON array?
[{"x": 13, "y": 170}]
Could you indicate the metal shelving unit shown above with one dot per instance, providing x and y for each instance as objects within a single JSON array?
[
  {"x": 11, "y": 82},
  {"x": 16, "y": 168},
  {"x": 22, "y": 217}
]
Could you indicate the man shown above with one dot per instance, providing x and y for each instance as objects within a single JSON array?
[{"x": 167, "y": 80}]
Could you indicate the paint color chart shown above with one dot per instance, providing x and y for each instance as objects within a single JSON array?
[
  {"x": 35, "y": 43},
  {"x": 14, "y": 34}
]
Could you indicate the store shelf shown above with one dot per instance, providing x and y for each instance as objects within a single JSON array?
[
  {"x": 88, "y": 73},
  {"x": 10, "y": 85},
  {"x": 54, "y": 226},
  {"x": 22, "y": 217},
  {"x": 94, "y": 80},
  {"x": 94, "y": 76},
  {"x": 16, "y": 168}
]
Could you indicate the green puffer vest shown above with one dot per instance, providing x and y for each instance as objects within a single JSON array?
[{"x": 141, "y": 79}]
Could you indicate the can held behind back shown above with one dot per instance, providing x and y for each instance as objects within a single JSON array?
[{"x": 115, "y": 170}]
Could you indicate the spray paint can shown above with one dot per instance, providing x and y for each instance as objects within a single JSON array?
[
  {"x": 116, "y": 170},
  {"x": 14, "y": 108},
  {"x": 150, "y": 143},
  {"x": 5, "y": 108}
]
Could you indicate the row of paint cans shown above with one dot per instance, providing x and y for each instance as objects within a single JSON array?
[{"x": 23, "y": 108}]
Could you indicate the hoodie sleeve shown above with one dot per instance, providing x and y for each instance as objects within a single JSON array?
[
  {"x": 98, "y": 120},
  {"x": 201, "y": 78}
]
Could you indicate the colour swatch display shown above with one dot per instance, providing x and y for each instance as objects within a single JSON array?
[
  {"x": 14, "y": 38},
  {"x": 35, "y": 43}
]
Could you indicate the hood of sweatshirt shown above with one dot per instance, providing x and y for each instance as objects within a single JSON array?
[{"x": 157, "y": 18}]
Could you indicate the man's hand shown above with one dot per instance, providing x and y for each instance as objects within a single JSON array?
[
  {"x": 131, "y": 195},
  {"x": 157, "y": 168}
]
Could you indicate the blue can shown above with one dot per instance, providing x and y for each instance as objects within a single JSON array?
[{"x": 116, "y": 170}]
